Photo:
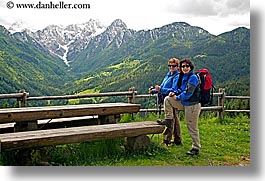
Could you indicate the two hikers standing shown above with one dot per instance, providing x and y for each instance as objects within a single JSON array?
[{"x": 182, "y": 95}]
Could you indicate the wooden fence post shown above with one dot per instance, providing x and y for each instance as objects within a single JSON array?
[
  {"x": 221, "y": 101},
  {"x": 131, "y": 99},
  {"x": 24, "y": 126},
  {"x": 22, "y": 101}
]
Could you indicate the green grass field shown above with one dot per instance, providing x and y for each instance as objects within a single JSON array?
[{"x": 224, "y": 143}]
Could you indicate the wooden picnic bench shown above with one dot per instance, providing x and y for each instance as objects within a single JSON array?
[{"x": 32, "y": 137}]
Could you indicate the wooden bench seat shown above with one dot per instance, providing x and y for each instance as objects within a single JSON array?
[
  {"x": 40, "y": 138},
  {"x": 56, "y": 123}
]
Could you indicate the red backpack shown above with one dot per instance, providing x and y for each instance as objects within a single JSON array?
[
  {"x": 206, "y": 87},
  {"x": 206, "y": 79}
]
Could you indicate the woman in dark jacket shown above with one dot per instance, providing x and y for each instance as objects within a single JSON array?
[{"x": 173, "y": 126}]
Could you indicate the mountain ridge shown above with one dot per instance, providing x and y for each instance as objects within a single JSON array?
[
  {"x": 137, "y": 52},
  {"x": 68, "y": 41},
  {"x": 126, "y": 42}
]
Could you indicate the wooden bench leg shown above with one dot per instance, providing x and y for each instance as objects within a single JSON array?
[
  {"x": 23, "y": 157},
  {"x": 141, "y": 142},
  {"x": 109, "y": 119},
  {"x": 26, "y": 126}
]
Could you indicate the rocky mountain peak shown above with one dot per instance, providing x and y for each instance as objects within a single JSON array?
[
  {"x": 116, "y": 27},
  {"x": 118, "y": 24},
  {"x": 4, "y": 30},
  {"x": 20, "y": 26},
  {"x": 67, "y": 41}
]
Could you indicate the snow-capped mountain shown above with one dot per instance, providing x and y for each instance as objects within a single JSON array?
[
  {"x": 63, "y": 41},
  {"x": 117, "y": 33},
  {"x": 20, "y": 26},
  {"x": 68, "y": 41}
]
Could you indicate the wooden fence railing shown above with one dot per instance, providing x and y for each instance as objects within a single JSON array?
[
  {"x": 237, "y": 97},
  {"x": 23, "y": 97}
]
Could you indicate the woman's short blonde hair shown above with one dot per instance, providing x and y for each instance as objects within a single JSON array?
[{"x": 173, "y": 61}]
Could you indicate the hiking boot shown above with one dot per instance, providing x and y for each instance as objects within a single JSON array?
[
  {"x": 193, "y": 152},
  {"x": 166, "y": 122},
  {"x": 177, "y": 143},
  {"x": 166, "y": 142}
]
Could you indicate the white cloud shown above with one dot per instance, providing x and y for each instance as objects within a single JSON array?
[
  {"x": 216, "y": 16},
  {"x": 192, "y": 8},
  {"x": 209, "y": 7}
]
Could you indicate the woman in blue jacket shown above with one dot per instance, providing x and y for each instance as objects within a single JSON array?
[
  {"x": 166, "y": 86},
  {"x": 173, "y": 126},
  {"x": 186, "y": 96}
]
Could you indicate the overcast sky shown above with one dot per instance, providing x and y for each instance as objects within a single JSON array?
[{"x": 215, "y": 16}]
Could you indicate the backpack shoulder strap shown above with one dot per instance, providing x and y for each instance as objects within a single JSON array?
[
  {"x": 180, "y": 79},
  {"x": 197, "y": 75}
]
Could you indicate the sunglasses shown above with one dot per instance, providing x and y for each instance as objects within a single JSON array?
[
  {"x": 175, "y": 65},
  {"x": 183, "y": 66}
]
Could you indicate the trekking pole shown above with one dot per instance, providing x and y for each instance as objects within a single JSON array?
[
  {"x": 148, "y": 101},
  {"x": 146, "y": 111},
  {"x": 158, "y": 108},
  {"x": 45, "y": 124},
  {"x": 156, "y": 103}
]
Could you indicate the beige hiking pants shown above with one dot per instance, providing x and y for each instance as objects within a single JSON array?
[{"x": 192, "y": 114}]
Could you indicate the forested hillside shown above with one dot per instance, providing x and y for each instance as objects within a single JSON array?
[
  {"x": 227, "y": 56},
  {"x": 22, "y": 66}
]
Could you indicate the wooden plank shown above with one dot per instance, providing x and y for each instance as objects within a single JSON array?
[
  {"x": 237, "y": 97},
  {"x": 55, "y": 123},
  {"x": 209, "y": 108},
  {"x": 58, "y": 120},
  {"x": 14, "y": 95},
  {"x": 51, "y": 112},
  {"x": 82, "y": 96},
  {"x": 237, "y": 111},
  {"x": 31, "y": 139},
  {"x": 7, "y": 125}
]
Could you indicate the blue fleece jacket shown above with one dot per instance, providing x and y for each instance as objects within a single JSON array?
[
  {"x": 186, "y": 91},
  {"x": 166, "y": 85}
]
